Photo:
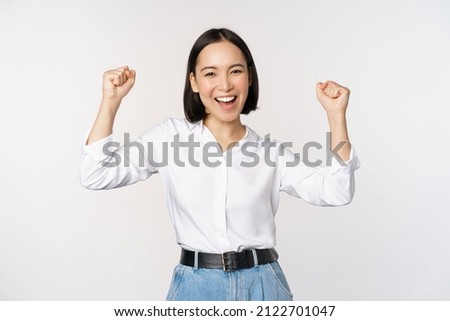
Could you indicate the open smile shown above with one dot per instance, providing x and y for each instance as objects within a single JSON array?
[
  {"x": 227, "y": 102},
  {"x": 226, "y": 99}
]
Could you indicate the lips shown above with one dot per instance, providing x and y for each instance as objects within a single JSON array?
[{"x": 226, "y": 102}]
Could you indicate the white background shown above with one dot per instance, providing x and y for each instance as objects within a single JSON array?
[{"x": 59, "y": 241}]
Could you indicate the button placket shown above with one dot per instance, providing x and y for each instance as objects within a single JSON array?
[{"x": 220, "y": 219}]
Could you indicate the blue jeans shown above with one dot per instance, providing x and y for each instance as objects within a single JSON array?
[{"x": 261, "y": 283}]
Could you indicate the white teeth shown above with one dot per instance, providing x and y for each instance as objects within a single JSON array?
[{"x": 225, "y": 99}]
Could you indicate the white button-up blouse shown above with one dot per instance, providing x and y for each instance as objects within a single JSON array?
[{"x": 217, "y": 201}]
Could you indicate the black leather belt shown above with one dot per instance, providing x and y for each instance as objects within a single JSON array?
[{"x": 228, "y": 261}]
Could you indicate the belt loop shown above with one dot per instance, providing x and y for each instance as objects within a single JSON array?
[
  {"x": 255, "y": 257},
  {"x": 195, "y": 260}
]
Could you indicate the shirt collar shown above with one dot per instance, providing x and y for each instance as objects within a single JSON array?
[
  {"x": 194, "y": 124},
  {"x": 198, "y": 125},
  {"x": 251, "y": 135}
]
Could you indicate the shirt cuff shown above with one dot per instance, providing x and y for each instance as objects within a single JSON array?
[
  {"x": 348, "y": 167},
  {"x": 95, "y": 150}
]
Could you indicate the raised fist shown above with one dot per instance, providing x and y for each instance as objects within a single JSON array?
[
  {"x": 332, "y": 96},
  {"x": 118, "y": 82}
]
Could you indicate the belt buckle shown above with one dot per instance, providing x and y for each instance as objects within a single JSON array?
[{"x": 229, "y": 261}]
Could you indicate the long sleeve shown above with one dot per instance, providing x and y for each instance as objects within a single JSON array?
[
  {"x": 106, "y": 165},
  {"x": 332, "y": 185}
]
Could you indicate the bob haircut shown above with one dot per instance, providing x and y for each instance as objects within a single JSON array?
[{"x": 194, "y": 110}]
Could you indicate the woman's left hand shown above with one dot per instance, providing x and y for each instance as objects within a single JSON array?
[{"x": 333, "y": 97}]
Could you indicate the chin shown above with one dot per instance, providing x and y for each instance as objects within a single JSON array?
[
  {"x": 228, "y": 118},
  {"x": 224, "y": 116}
]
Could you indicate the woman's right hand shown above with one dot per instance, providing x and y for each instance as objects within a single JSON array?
[
  {"x": 116, "y": 85},
  {"x": 118, "y": 82}
]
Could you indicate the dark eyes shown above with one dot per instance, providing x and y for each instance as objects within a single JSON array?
[{"x": 234, "y": 71}]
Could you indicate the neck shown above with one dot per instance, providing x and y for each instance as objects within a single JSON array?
[{"x": 225, "y": 132}]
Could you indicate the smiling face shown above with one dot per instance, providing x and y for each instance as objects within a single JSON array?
[{"x": 222, "y": 80}]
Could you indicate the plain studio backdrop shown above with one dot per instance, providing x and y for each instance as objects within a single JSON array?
[{"x": 59, "y": 241}]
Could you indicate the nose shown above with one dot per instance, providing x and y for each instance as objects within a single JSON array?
[{"x": 225, "y": 83}]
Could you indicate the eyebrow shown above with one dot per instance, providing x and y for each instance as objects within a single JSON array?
[{"x": 232, "y": 66}]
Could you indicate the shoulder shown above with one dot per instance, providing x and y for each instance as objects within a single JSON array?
[
  {"x": 168, "y": 128},
  {"x": 178, "y": 125},
  {"x": 262, "y": 139},
  {"x": 172, "y": 124}
]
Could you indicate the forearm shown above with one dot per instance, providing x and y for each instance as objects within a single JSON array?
[
  {"x": 337, "y": 123},
  {"x": 104, "y": 122}
]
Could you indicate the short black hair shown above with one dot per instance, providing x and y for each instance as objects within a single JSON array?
[{"x": 194, "y": 110}]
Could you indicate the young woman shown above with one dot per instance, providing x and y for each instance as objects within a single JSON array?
[{"x": 222, "y": 181}]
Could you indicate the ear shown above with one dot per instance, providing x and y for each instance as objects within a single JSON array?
[
  {"x": 250, "y": 76},
  {"x": 194, "y": 85}
]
